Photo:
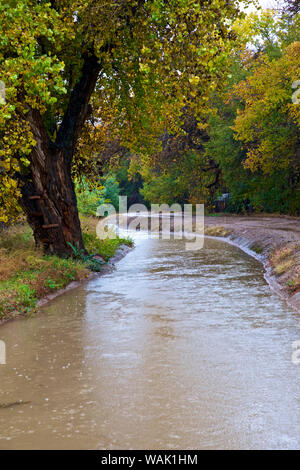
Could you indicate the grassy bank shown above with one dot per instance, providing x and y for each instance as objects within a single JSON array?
[
  {"x": 26, "y": 275},
  {"x": 285, "y": 262}
]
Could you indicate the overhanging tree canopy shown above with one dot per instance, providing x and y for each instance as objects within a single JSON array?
[{"x": 142, "y": 62}]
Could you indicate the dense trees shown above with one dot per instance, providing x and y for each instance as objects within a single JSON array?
[
  {"x": 198, "y": 97},
  {"x": 249, "y": 143},
  {"x": 269, "y": 122},
  {"x": 292, "y": 6},
  {"x": 140, "y": 62}
]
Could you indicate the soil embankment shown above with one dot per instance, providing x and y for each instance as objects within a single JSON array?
[{"x": 274, "y": 240}]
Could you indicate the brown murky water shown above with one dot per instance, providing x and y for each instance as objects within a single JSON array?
[{"x": 173, "y": 349}]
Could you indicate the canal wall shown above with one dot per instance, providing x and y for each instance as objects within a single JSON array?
[{"x": 261, "y": 237}]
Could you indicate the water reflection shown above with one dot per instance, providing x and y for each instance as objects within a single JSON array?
[{"x": 173, "y": 349}]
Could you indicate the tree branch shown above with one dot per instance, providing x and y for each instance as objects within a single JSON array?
[{"x": 78, "y": 107}]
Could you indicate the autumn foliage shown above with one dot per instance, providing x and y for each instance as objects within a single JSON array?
[{"x": 197, "y": 96}]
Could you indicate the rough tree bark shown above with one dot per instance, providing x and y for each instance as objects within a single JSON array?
[{"x": 48, "y": 196}]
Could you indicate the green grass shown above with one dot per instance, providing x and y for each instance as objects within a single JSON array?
[
  {"x": 217, "y": 231},
  {"x": 106, "y": 248},
  {"x": 256, "y": 248},
  {"x": 26, "y": 274},
  {"x": 285, "y": 262}
]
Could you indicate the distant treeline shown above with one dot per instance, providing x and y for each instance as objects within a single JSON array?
[{"x": 249, "y": 145}]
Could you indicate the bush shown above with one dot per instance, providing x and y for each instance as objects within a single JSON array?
[{"x": 89, "y": 199}]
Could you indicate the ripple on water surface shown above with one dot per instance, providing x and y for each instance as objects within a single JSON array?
[{"x": 173, "y": 349}]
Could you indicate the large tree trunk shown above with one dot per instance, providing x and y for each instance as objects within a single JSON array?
[
  {"x": 48, "y": 196},
  {"x": 49, "y": 203},
  {"x": 49, "y": 200}
]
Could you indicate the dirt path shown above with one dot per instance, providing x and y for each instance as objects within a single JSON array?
[{"x": 275, "y": 240}]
